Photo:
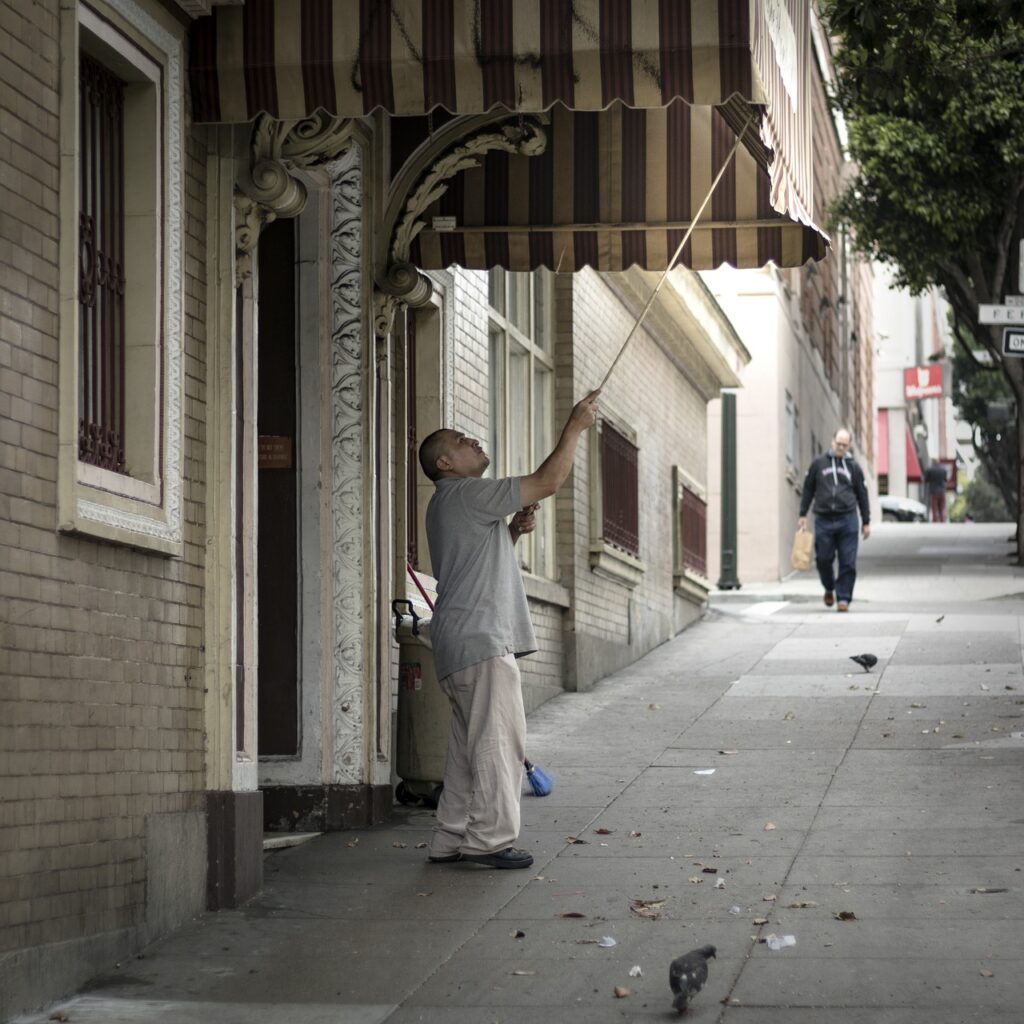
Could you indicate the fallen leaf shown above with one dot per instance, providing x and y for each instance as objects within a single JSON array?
[
  {"x": 621, "y": 992},
  {"x": 59, "y": 1016},
  {"x": 424, "y": 894},
  {"x": 769, "y": 899},
  {"x": 788, "y": 716},
  {"x": 984, "y": 972},
  {"x": 720, "y": 883},
  {"x": 355, "y": 842},
  {"x": 981, "y": 889},
  {"x": 651, "y": 909},
  {"x": 636, "y": 971},
  {"x": 607, "y": 942},
  {"x": 572, "y": 913},
  {"x": 399, "y": 846},
  {"x": 422, "y": 846},
  {"x": 769, "y": 827},
  {"x": 844, "y": 915},
  {"x": 696, "y": 880},
  {"x": 517, "y": 934},
  {"x": 576, "y": 841},
  {"x": 653, "y": 707},
  {"x": 524, "y": 974},
  {"x": 728, "y": 751},
  {"x": 635, "y": 835},
  {"x": 710, "y": 871},
  {"x": 801, "y": 904},
  {"x": 604, "y": 831},
  {"x": 760, "y": 920}
]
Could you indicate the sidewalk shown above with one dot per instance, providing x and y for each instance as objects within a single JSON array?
[{"x": 896, "y": 797}]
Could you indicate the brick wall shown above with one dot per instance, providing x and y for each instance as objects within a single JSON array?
[
  {"x": 652, "y": 397},
  {"x": 101, "y": 687}
]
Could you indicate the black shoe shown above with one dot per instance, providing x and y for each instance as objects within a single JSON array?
[
  {"x": 510, "y": 858},
  {"x": 447, "y": 858}
]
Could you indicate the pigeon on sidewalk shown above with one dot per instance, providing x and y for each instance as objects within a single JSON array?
[
  {"x": 687, "y": 974},
  {"x": 866, "y": 661}
]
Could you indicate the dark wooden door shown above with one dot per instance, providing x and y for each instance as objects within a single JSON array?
[{"x": 277, "y": 504}]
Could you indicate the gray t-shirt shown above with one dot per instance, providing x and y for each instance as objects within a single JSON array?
[{"x": 481, "y": 608}]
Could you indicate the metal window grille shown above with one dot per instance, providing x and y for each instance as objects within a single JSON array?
[
  {"x": 619, "y": 491},
  {"x": 693, "y": 528},
  {"x": 101, "y": 282}
]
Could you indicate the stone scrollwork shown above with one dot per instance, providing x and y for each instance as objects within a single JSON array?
[
  {"x": 401, "y": 282},
  {"x": 267, "y": 187}
]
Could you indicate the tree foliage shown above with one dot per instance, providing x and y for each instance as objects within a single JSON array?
[{"x": 932, "y": 92}]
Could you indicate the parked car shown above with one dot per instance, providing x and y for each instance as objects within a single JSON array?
[{"x": 902, "y": 510}]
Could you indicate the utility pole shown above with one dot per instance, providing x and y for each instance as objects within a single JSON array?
[{"x": 728, "y": 580}]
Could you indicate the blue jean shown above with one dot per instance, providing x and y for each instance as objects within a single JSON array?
[{"x": 832, "y": 535}]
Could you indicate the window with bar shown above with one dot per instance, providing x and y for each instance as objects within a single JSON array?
[
  {"x": 522, "y": 391},
  {"x": 122, "y": 271},
  {"x": 620, "y": 501},
  {"x": 101, "y": 285},
  {"x": 693, "y": 532},
  {"x": 614, "y": 467}
]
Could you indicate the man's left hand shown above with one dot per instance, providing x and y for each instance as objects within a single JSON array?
[
  {"x": 865, "y": 531},
  {"x": 524, "y": 521}
]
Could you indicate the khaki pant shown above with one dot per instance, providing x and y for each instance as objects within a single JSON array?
[{"x": 483, "y": 776}]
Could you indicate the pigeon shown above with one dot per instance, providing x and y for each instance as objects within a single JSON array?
[
  {"x": 687, "y": 974},
  {"x": 866, "y": 661}
]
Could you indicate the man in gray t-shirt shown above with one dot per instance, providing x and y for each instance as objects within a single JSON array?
[{"x": 480, "y": 626}]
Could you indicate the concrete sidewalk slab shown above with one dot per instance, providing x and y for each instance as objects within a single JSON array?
[{"x": 844, "y": 798}]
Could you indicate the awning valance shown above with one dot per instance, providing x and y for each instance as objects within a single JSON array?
[
  {"x": 290, "y": 58},
  {"x": 613, "y": 189}
]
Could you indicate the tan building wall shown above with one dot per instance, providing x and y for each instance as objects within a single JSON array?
[{"x": 102, "y": 842}]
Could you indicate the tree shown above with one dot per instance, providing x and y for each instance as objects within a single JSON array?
[
  {"x": 984, "y": 400},
  {"x": 933, "y": 95}
]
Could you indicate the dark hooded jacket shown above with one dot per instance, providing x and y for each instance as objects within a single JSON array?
[{"x": 836, "y": 487}]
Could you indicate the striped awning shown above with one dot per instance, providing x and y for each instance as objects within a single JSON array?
[
  {"x": 613, "y": 189},
  {"x": 289, "y": 58}
]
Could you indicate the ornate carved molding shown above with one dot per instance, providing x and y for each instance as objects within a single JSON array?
[
  {"x": 348, "y": 362},
  {"x": 401, "y": 282},
  {"x": 267, "y": 187}
]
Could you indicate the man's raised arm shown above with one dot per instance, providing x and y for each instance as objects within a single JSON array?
[{"x": 551, "y": 474}]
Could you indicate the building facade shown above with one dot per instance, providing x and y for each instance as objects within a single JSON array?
[
  {"x": 810, "y": 332},
  {"x": 231, "y": 303}
]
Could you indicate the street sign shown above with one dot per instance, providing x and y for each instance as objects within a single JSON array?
[
  {"x": 1000, "y": 314},
  {"x": 1013, "y": 341},
  {"x": 1014, "y": 300}
]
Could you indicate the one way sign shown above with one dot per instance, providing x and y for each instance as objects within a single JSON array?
[{"x": 1013, "y": 341}]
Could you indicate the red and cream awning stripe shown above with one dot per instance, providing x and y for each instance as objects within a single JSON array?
[
  {"x": 290, "y": 58},
  {"x": 612, "y": 189}
]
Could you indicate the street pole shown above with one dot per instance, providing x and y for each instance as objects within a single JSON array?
[{"x": 728, "y": 580}]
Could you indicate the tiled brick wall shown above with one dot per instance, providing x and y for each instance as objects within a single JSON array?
[
  {"x": 101, "y": 687},
  {"x": 648, "y": 394}
]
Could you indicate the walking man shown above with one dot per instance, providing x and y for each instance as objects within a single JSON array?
[
  {"x": 935, "y": 483},
  {"x": 481, "y": 624},
  {"x": 835, "y": 485}
]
